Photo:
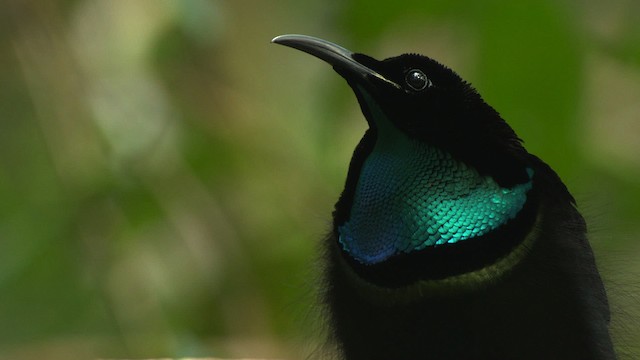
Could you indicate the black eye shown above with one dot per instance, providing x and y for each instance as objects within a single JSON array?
[{"x": 417, "y": 80}]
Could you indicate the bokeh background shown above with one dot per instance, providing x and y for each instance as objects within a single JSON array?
[{"x": 167, "y": 173}]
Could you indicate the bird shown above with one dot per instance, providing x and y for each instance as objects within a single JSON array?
[{"x": 450, "y": 240}]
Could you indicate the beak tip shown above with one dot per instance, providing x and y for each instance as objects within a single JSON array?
[{"x": 282, "y": 39}]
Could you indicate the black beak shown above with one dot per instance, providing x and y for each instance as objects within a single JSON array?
[{"x": 339, "y": 57}]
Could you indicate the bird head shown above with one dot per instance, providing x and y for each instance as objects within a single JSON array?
[{"x": 426, "y": 101}]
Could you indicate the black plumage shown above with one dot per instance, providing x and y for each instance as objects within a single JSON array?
[{"x": 526, "y": 288}]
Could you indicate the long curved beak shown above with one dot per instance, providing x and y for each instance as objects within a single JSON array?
[{"x": 337, "y": 56}]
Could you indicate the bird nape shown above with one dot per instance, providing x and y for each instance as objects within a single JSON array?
[{"x": 450, "y": 240}]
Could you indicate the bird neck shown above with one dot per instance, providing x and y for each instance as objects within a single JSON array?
[{"x": 411, "y": 196}]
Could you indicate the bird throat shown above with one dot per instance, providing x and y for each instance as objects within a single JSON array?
[{"x": 411, "y": 196}]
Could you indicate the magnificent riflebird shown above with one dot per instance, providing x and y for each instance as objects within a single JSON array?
[{"x": 450, "y": 240}]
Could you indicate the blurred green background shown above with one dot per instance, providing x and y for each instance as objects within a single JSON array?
[{"x": 167, "y": 173}]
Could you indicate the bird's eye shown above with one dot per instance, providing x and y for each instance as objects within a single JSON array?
[{"x": 417, "y": 80}]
